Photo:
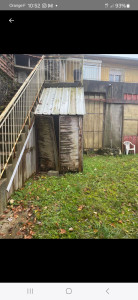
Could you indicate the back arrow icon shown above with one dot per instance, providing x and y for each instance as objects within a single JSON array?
[
  {"x": 11, "y": 20},
  {"x": 107, "y": 291}
]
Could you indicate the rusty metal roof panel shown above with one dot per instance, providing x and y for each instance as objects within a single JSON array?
[
  {"x": 61, "y": 101},
  {"x": 65, "y": 101}
]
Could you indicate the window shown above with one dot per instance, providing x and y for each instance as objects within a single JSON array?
[
  {"x": 92, "y": 70},
  {"x": 115, "y": 75}
]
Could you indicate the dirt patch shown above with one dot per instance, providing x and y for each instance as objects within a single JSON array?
[{"x": 16, "y": 223}]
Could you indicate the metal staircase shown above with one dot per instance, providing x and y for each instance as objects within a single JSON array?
[
  {"x": 17, "y": 118},
  {"x": 17, "y": 113}
]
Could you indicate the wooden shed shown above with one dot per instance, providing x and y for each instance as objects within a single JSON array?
[{"x": 59, "y": 129}]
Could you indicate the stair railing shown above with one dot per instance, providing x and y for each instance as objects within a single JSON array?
[
  {"x": 64, "y": 70},
  {"x": 17, "y": 112}
]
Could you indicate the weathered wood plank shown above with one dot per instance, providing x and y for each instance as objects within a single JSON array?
[{"x": 69, "y": 143}]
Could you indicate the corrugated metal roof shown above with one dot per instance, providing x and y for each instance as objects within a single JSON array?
[{"x": 61, "y": 101}]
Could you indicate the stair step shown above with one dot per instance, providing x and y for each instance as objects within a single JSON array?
[
  {"x": 2, "y": 180},
  {"x": 5, "y": 157},
  {"x": 9, "y": 136},
  {"x": 5, "y": 173},
  {"x": 7, "y": 144},
  {"x": 15, "y": 126}
]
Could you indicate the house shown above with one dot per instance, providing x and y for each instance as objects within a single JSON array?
[
  {"x": 23, "y": 65},
  {"x": 111, "y": 98},
  {"x": 66, "y": 104}
]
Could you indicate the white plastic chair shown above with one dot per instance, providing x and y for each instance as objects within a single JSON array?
[{"x": 127, "y": 145}]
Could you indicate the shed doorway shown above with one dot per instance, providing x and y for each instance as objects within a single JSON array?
[{"x": 56, "y": 130}]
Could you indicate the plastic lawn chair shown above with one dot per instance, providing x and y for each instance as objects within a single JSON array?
[{"x": 127, "y": 145}]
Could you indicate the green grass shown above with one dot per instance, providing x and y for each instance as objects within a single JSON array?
[{"x": 100, "y": 203}]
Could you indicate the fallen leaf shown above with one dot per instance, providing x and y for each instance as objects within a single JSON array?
[
  {"x": 29, "y": 223},
  {"x": 120, "y": 222},
  {"x": 62, "y": 231},
  {"x": 37, "y": 198},
  {"x": 113, "y": 225},
  {"x": 23, "y": 228},
  {"x": 11, "y": 201},
  {"x": 27, "y": 237},
  {"x": 29, "y": 214},
  {"x": 70, "y": 229},
  {"x": 86, "y": 190},
  {"x": 95, "y": 230},
  {"x": 16, "y": 216},
  {"x": 31, "y": 232},
  {"x": 18, "y": 233},
  {"x": 81, "y": 207},
  {"x": 6, "y": 211},
  {"x": 2, "y": 216}
]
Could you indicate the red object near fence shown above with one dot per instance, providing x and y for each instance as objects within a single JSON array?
[
  {"x": 133, "y": 139},
  {"x": 130, "y": 96}
]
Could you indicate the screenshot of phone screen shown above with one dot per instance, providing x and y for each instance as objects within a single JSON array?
[{"x": 68, "y": 149}]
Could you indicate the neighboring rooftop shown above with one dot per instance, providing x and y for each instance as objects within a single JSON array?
[{"x": 115, "y": 58}]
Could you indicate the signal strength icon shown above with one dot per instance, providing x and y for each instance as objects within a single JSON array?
[{"x": 106, "y": 5}]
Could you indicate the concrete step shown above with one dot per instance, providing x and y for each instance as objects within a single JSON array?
[
  {"x": 8, "y": 137},
  {"x": 11, "y": 128},
  {"x": 4, "y": 147},
  {"x": 8, "y": 171},
  {"x": 4, "y": 157},
  {"x": 7, "y": 146},
  {"x": 3, "y": 186}
]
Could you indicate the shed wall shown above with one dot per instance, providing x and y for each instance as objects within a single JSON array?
[
  {"x": 113, "y": 125},
  {"x": 70, "y": 143},
  {"x": 93, "y": 124}
]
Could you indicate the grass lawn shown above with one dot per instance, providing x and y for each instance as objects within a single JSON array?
[{"x": 100, "y": 203}]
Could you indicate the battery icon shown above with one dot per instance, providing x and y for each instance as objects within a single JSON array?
[{"x": 128, "y": 5}]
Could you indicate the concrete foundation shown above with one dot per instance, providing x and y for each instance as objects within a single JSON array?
[{"x": 53, "y": 173}]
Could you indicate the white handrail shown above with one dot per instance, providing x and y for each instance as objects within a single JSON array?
[{"x": 19, "y": 159}]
